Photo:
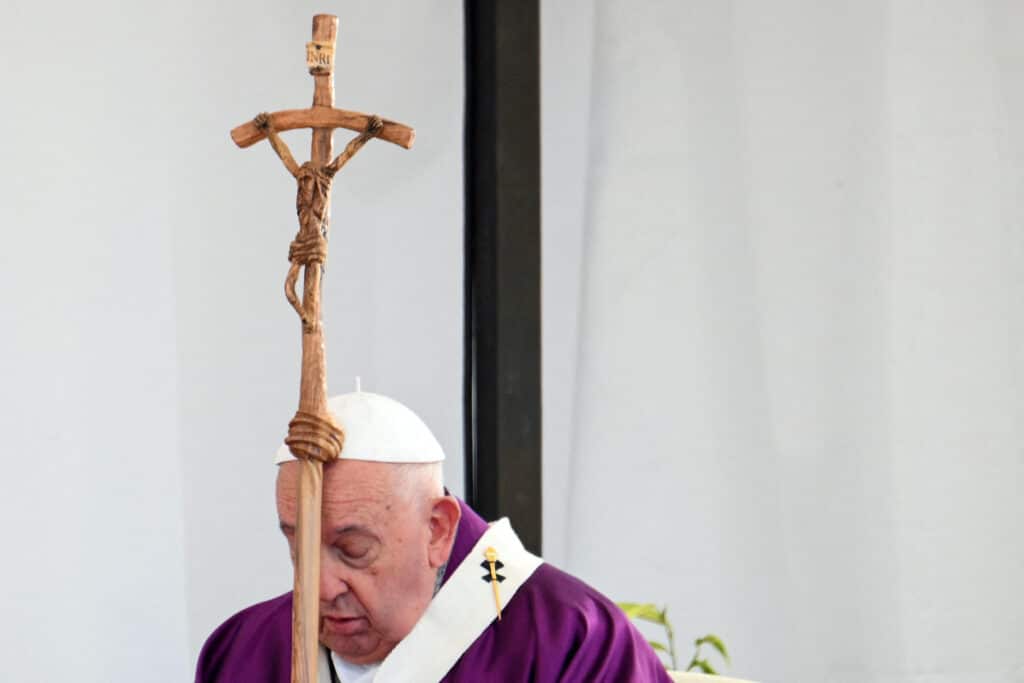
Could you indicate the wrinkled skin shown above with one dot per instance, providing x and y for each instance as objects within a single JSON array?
[{"x": 386, "y": 533}]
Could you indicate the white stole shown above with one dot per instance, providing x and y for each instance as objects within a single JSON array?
[{"x": 458, "y": 614}]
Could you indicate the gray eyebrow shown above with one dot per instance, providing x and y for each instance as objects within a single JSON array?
[
  {"x": 290, "y": 529},
  {"x": 353, "y": 527}
]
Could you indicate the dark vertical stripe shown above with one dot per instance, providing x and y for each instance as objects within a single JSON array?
[
  {"x": 502, "y": 391},
  {"x": 469, "y": 264}
]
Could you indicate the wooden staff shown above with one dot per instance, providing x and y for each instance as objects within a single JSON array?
[{"x": 313, "y": 437}]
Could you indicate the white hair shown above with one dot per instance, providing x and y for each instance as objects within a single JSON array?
[{"x": 424, "y": 480}]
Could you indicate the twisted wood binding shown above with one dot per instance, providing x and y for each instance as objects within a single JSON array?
[
  {"x": 309, "y": 248},
  {"x": 314, "y": 437}
]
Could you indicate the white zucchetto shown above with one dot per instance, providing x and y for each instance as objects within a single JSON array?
[{"x": 379, "y": 429}]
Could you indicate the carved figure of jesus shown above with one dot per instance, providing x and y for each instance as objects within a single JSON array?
[{"x": 311, "y": 202}]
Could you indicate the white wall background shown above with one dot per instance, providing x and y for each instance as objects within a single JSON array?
[
  {"x": 784, "y": 277},
  {"x": 149, "y": 362},
  {"x": 782, "y": 285},
  {"x": 91, "y": 494}
]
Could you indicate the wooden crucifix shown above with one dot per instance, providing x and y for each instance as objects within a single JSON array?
[{"x": 313, "y": 437}]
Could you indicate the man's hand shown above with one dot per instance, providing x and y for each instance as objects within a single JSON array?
[
  {"x": 262, "y": 122},
  {"x": 374, "y": 126}
]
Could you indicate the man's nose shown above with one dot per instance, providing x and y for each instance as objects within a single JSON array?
[{"x": 333, "y": 576}]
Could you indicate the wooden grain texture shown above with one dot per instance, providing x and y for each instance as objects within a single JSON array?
[
  {"x": 396, "y": 133},
  {"x": 325, "y": 30},
  {"x": 312, "y": 400},
  {"x": 306, "y": 596}
]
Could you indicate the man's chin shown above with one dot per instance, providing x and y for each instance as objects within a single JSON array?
[{"x": 360, "y": 647}]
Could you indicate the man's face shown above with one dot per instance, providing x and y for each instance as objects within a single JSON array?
[{"x": 381, "y": 550}]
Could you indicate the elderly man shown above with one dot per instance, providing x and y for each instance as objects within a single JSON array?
[{"x": 416, "y": 587}]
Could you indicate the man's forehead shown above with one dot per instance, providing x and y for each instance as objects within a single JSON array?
[
  {"x": 342, "y": 469},
  {"x": 345, "y": 482},
  {"x": 348, "y": 501}
]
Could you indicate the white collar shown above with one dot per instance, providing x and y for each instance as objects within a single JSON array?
[
  {"x": 462, "y": 610},
  {"x": 354, "y": 673}
]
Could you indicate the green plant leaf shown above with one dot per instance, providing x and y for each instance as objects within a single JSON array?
[
  {"x": 658, "y": 646},
  {"x": 703, "y": 666},
  {"x": 715, "y": 642},
  {"x": 643, "y": 610}
]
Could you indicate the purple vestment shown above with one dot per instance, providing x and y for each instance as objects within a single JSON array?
[{"x": 555, "y": 628}]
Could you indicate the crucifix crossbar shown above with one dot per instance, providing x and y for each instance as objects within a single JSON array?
[{"x": 313, "y": 437}]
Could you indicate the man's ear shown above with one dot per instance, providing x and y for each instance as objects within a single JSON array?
[{"x": 444, "y": 520}]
